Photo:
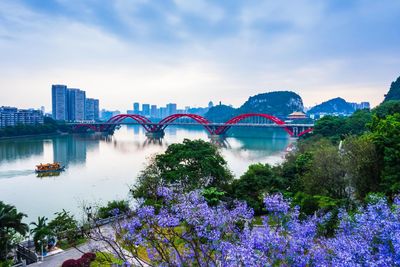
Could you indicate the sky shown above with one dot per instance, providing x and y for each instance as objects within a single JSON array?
[{"x": 191, "y": 52}]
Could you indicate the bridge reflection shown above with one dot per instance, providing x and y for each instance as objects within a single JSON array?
[{"x": 244, "y": 148}]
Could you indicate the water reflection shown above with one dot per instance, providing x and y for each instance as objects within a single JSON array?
[
  {"x": 48, "y": 174},
  {"x": 72, "y": 149},
  {"x": 102, "y": 167},
  {"x": 11, "y": 150}
]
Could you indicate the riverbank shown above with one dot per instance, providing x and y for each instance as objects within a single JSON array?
[{"x": 32, "y": 135}]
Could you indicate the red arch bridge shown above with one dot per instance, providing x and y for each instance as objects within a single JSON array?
[{"x": 214, "y": 129}]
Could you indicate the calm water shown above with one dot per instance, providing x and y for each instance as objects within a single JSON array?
[{"x": 101, "y": 168}]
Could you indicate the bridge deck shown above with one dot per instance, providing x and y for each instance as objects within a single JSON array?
[{"x": 209, "y": 124}]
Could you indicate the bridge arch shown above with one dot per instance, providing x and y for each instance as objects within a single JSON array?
[
  {"x": 305, "y": 131},
  {"x": 227, "y": 125},
  {"x": 170, "y": 119},
  {"x": 113, "y": 121}
]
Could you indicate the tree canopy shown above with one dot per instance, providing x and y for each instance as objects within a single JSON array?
[{"x": 186, "y": 166}]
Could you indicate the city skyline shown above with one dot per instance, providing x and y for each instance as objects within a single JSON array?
[{"x": 171, "y": 51}]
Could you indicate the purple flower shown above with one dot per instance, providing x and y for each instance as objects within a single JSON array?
[
  {"x": 222, "y": 236},
  {"x": 276, "y": 203}
]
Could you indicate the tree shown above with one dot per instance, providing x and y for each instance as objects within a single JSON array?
[
  {"x": 187, "y": 166},
  {"x": 394, "y": 91},
  {"x": 386, "y": 108},
  {"x": 41, "y": 232},
  {"x": 258, "y": 180},
  {"x": 11, "y": 225},
  {"x": 63, "y": 226},
  {"x": 326, "y": 175},
  {"x": 113, "y": 207},
  {"x": 356, "y": 124},
  {"x": 386, "y": 136},
  {"x": 362, "y": 164},
  {"x": 331, "y": 127},
  {"x": 187, "y": 231}
]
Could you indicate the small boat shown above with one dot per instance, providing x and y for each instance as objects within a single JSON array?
[{"x": 49, "y": 167}]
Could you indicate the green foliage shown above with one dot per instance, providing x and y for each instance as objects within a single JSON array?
[
  {"x": 331, "y": 127},
  {"x": 337, "y": 128},
  {"x": 212, "y": 195},
  {"x": 387, "y": 108},
  {"x": 220, "y": 113},
  {"x": 362, "y": 164},
  {"x": 374, "y": 197},
  {"x": 41, "y": 233},
  {"x": 6, "y": 263},
  {"x": 309, "y": 204},
  {"x": 394, "y": 91},
  {"x": 63, "y": 226},
  {"x": 187, "y": 166},
  {"x": 356, "y": 124},
  {"x": 49, "y": 126},
  {"x": 106, "y": 259},
  {"x": 10, "y": 227},
  {"x": 107, "y": 211},
  {"x": 326, "y": 174},
  {"x": 280, "y": 103},
  {"x": 258, "y": 180},
  {"x": 386, "y": 136},
  {"x": 25, "y": 129}
]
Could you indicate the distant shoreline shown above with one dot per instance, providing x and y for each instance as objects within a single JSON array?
[{"x": 32, "y": 135}]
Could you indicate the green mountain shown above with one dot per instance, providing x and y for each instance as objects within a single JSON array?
[
  {"x": 335, "y": 105},
  {"x": 394, "y": 91},
  {"x": 221, "y": 113},
  {"x": 280, "y": 103}
]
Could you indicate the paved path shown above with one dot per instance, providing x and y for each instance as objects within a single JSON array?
[
  {"x": 72, "y": 253},
  {"x": 57, "y": 259}
]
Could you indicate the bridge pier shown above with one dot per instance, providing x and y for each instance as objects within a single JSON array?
[
  {"x": 216, "y": 136},
  {"x": 155, "y": 134}
]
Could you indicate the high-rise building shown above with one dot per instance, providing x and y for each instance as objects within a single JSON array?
[
  {"x": 96, "y": 109},
  {"x": 163, "y": 112},
  {"x": 107, "y": 114},
  {"x": 59, "y": 102},
  {"x": 136, "y": 108},
  {"x": 10, "y": 116},
  {"x": 171, "y": 109},
  {"x": 92, "y": 109},
  {"x": 145, "y": 109},
  {"x": 154, "y": 111},
  {"x": 365, "y": 105},
  {"x": 70, "y": 104},
  {"x": 76, "y": 105}
]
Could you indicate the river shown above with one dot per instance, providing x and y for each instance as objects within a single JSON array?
[{"x": 101, "y": 168}]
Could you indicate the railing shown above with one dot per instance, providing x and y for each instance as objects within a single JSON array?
[{"x": 26, "y": 254}]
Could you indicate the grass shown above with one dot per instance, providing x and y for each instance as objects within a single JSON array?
[
  {"x": 105, "y": 259},
  {"x": 63, "y": 244}
]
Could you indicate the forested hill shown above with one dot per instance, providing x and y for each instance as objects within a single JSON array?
[
  {"x": 279, "y": 103},
  {"x": 394, "y": 91},
  {"x": 335, "y": 105}
]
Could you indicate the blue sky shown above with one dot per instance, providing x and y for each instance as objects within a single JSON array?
[{"x": 190, "y": 52}]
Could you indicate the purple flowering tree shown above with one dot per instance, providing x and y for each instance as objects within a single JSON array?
[{"x": 186, "y": 231}]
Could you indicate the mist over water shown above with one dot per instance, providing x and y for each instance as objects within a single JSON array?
[{"x": 101, "y": 168}]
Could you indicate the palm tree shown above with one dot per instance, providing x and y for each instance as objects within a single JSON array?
[
  {"x": 40, "y": 232},
  {"x": 10, "y": 225}
]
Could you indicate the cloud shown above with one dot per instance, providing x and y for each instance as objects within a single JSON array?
[{"x": 191, "y": 52}]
